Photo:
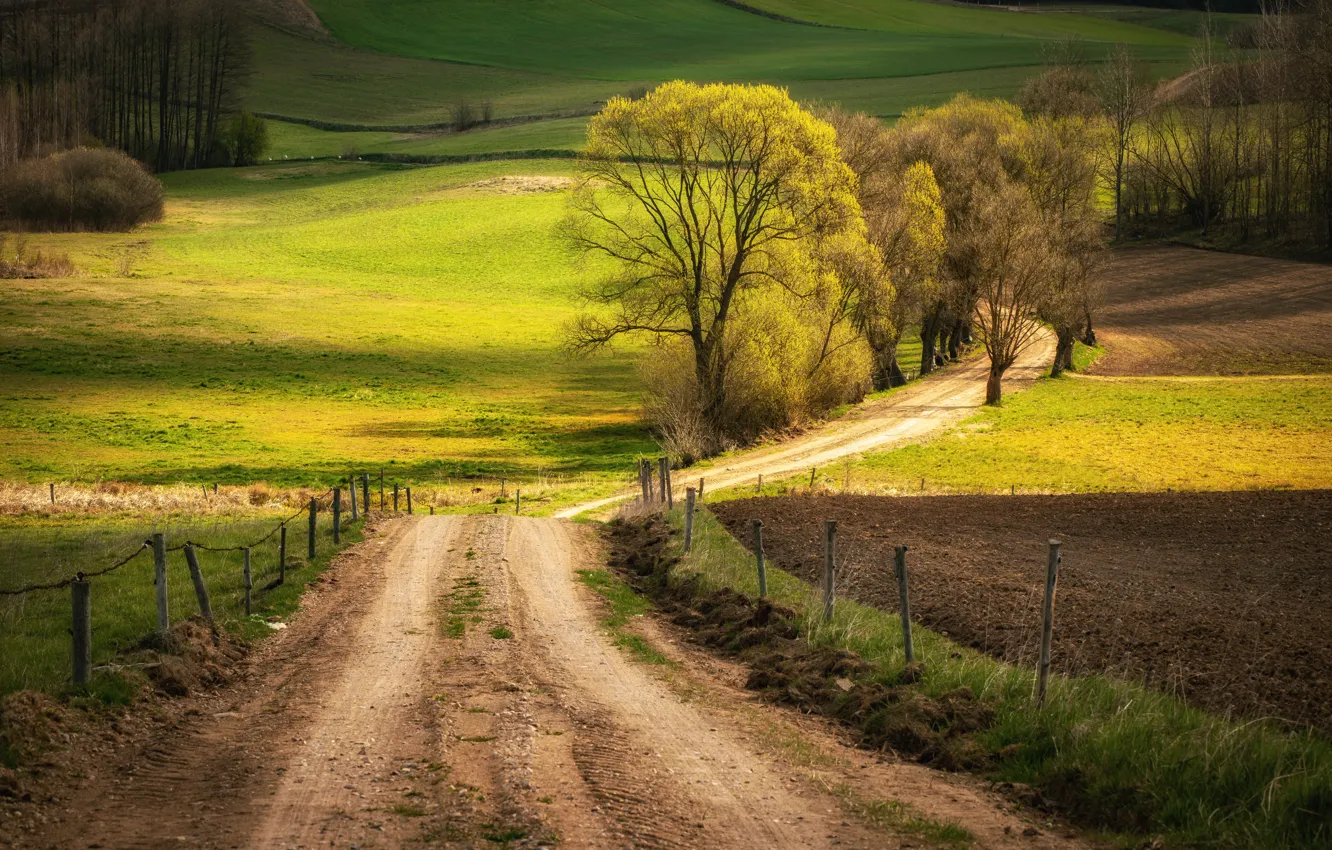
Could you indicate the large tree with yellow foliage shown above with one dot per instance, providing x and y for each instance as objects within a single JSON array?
[{"x": 707, "y": 198}]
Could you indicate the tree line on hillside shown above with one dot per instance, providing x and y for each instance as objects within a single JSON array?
[
  {"x": 154, "y": 78},
  {"x": 776, "y": 257},
  {"x": 1239, "y": 149}
]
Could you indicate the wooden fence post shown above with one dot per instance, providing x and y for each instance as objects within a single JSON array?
[
  {"x": 382, "y": 503},
  {"x": 200, "y": 589},
  {"x": 643, "y": 480},
  {"x": 395, "y": 498},
  {"x": 365, "y": 491},
  {"x": 829, "y": 559},
  {"x": 518, "y": 501},
  {"x": 700, "y": 489},
  {"x": 904, "y": 603},
  {"x": 82, "y": 598},
  {"x": 1047, "y": 625},
  {"x": 351, "y": 491},
  {"x": 160, "y": 580},
  {"x": 314, "y": 507},
  {"x": 409, "y": 501},
  {"x": 661, "y": 475},
  {"x": 670, "y": 486},
  {"x": 689, "y": 519},
  {"x": 758, "y": 555},
  {"x": 53, "y": 492},
  {"x": 812, "y": 472},
  {"x": 282, "y": 554},
  {"x": 337, "y": 515},
  {"x": 248, "y": 583}
]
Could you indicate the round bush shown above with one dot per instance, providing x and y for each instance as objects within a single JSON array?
[{"x": 80, "y": 189}]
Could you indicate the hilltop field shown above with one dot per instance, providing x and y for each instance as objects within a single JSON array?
[{"x": 365, "y": 77}]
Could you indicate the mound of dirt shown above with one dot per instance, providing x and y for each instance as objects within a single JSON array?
[
  {"x": 193, "y": 657},
  {"x": 888, "y": 711}
]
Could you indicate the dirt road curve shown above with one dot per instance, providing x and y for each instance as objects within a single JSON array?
[
  {"x": 911, "y": 414},
  {"x": 449, "y": 684}
]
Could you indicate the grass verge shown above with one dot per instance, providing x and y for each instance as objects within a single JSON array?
[
  {"x": 622, "y": 605},
  {"x": 1109, "y": 754}
]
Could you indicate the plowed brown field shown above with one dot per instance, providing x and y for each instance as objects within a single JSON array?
[
  {"x": 1222, "y": 598},
  {"x": 1172, "y": 310}
]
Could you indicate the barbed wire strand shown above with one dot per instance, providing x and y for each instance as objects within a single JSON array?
[{"x": 148, "y": 544}]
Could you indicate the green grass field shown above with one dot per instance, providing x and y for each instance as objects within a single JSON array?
[
  {"x": 1080, "y": 434},
  {"x": 292, "y": 322},
  {"x": 398, "y": 66}
]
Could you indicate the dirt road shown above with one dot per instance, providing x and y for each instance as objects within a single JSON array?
[
  {"x": 449, "y": 683},
  {"x": 911, "y": 414}
]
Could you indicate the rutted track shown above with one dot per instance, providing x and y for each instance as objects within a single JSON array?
[{"x": 449, "y": 683}]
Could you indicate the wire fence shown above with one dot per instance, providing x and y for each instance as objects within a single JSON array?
[{"x": 139, "y": 590}]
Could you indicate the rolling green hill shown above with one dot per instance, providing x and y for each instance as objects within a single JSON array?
[{"x": 393, "y": 68}]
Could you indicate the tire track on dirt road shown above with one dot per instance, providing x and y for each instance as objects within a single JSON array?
[
  {"x": 449, "y": 684},
  {"x": 913, "y": 413}
]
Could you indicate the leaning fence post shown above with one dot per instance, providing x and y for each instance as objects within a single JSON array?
[
  {"x": 160, "y": 579},
  {"x": 829, "y": 558},
  {"x": 1047, "y": 626},
  {"x": 248, "y": 583},
  {"x": 812, "y": 472},
  {"x": 282, "y": 554},
  {"x": 758, "y": 556},
  {"x": 337, "y": 515},
  {"x": 351, "y": 491},
  {"x": 689, "y": 519},
  {"x": 904, "y": 602},
  {"x": 200, "y": 589},
  {"x": 82, "y": 598},
  {"x": 409, "y": 501},
  {"x": 314, "y": 506},
  {"x": 365, "y": 491},
  {"x": 670, "y": 486}
]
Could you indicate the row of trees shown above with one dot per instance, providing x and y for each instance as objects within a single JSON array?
[
  {"x": 776, "y": 258},
  {"x": 1239, "y": 149},
  {"x": 152, "y": 77}
]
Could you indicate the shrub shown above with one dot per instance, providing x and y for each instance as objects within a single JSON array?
[
  {"x": 245, "y": 138},
  {"x": 17, "y": 262},
  {"x": 80, "y": 189}
]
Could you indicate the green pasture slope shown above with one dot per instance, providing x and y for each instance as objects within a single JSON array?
[
  {"x": 392, "y": 69},
  {"x": 292, "y": 322}
]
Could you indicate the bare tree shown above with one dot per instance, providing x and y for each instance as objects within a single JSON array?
[
  {"x": 1122, "y": 89},
  {"x": 1012, "y": 265}
]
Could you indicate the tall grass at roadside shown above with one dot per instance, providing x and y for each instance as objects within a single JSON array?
[
  {"x": 1113, "y": 754},
  {"x": 34, "y": 628}
]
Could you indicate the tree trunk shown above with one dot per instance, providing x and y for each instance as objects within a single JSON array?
[
  {"x": 1063, "y": 358},
  {"x": 883, "y": 350},
  {"x": 929, "y": 333},
  {"x": 994, "y": 386},
  {"x": 1089, "y": 335},
  {"x": 955, "y": 341}
]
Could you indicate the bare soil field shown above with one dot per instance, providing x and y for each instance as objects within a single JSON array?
[
  {"x": 1222, "y": 598},
  {"x": 1173, "y": 310}
]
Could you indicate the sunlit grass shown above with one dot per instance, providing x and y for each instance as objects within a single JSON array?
[{"x": 297, "y": 323}]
